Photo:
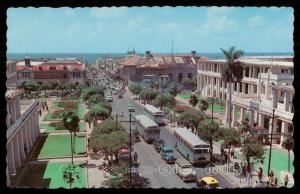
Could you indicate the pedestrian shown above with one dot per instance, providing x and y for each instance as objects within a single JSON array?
[
  {"x": 222, "y": 152},
  {"x": 135, "y": 156},
  {"x": 43, "y": 107},
  {"x": 275, "y": 182},
  {"x": 47, "y": 108},
  {"x": 225, "y": 156},
  {"x": 40, "y": 112},
  {"x": 232, "y": 153},
  {"x": 260, "y": 174},
  {"x": 269, "y": 179},
  {"x": 286, "y": 180}
]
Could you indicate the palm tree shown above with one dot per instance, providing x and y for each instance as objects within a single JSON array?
[
  {"x": 71, "y": 121},
  {"x": 193, "y": 100},
  {"x": 289, "y": 145},
  {"x": 203, "y": 105},
  {"x": 232, "y": 71}
]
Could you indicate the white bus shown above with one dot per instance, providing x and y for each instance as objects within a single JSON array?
[
  {"x": 194, "y": 149},
  {"x": 147, "y": 128},
  {"x": 156, "y": 114}
]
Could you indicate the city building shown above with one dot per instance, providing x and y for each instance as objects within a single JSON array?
[
  {"x": 172, "y": 67},
  {"x": 22, "y": 125},
  {"x": 267, "y": 81},
  {"x": 66, "y": 70}
]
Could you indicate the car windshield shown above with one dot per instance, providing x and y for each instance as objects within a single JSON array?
[
  {"x": 168, "y": 151},
  {"x": 187, "y": 166}
]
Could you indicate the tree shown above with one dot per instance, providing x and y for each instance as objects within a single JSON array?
[
  {"x": 207, "y": 130},
  {"x": 232, "y": 72},
  {"x": 98, "y": 111},
  {"x": 30, "y": 86},
  {"x": 135, "y": 88},
  {"x": 212, "y": 101},
  {"x": 71, "y": 174},
  {"x": 245, "y": 127},
  {"x": 230, "y": 136},
  {"x": 252, "y": 148},
  {"x": 91, "y": 91},
  {"x": 203, "y": 105},
  {"x": 288, "y": 144},
  {"x": 94, "y": 99},
  {"x": 144, "y": 95},
  {"x": 45, "y": 86},
  {"x": 163, "y": 100},
  {"x": 190, "y": 118},
  {"x": 193, "y": 100},
  {"x": 71, "y": 122}
]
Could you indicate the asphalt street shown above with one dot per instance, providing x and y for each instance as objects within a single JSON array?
[{"x": 160, "y": 174}]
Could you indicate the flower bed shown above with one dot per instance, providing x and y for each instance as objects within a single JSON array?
[{"x": 66, "y": 105}]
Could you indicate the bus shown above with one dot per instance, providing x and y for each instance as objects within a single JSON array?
[
  {"x": 147, "y": 128},
  {"x": 156, "y": 114},
  {"x": 194, "y": 149}
]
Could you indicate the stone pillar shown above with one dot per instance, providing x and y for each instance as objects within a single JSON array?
[
  {"x": 11, "y": 159},
  {"x": 207, "y": 85},
  {"x": 251, "y": 118},
  {"x": 261, "y": 120},
  {"x": 284, "y": 130},
  {"x": 243, "y": 88},
  {"x": 249, "y": 88},
  {"x": 218, "y": 87},
  {"x": 242, "y": 114},
  {"x": 223, "y": 90},
  {"x": 16, "y": 151},
  {"x": 234, "y": 115},
  {"x": 274, "y": 126},
  {"x": 238, "y": 88},
  {"x": 286, "y": 100}
]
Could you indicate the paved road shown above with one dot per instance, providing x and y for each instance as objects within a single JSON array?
[{"x": 151, "y": 164}]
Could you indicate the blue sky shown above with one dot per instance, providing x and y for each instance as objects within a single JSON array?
[{"x": 107, "y": 30}]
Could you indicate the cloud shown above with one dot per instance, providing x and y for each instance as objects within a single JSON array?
[
  {"x": 108, "y": 12},
  {"x": 256, "y": 21}
]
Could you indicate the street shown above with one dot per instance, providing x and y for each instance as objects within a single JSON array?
[{"x": 151, "y": 165}]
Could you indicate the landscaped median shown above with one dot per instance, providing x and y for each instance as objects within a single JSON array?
[
  {"x": 57, "y": 146},
  {"x": 50, "y": 175},
  {"x": 58, "y": 127}
]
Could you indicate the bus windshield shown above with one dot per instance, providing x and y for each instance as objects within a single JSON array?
[{"x": 201, "y": 151}]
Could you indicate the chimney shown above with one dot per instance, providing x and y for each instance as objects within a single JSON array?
[
  {"x": 148, "y": 54},
  {"x": 27, "y": 61},
  {"x": 193, "y": 53}
]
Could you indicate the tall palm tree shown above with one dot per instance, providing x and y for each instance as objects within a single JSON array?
[
  {"x": 232, "y": 71},
  {"x": 289, "y": 145},
  {"x": 212, "y": 101},
  {"x": 71, "y": 122}
]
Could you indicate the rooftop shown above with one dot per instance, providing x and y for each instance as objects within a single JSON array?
[
  {"x": 187, "y": 135},
  {"x": 146, "y": 121}
]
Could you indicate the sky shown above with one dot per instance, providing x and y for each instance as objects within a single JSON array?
[{"x": 119, "y": 29}]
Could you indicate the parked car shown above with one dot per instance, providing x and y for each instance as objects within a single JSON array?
[
  {"x": 109, "y": 99},
  {"x": 131, "y": 108},
  {"x": 208, "y": 182},
  {"x": 185, "y": 170},
  {"x": 120, "y": 95},
  {"x": 167, "y": 154},
  {"x": 158, "y": 144}
]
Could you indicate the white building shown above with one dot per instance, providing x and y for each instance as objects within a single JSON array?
[
  {"x": 22, "y": 125},
  {"x": 264, "y": 77}
]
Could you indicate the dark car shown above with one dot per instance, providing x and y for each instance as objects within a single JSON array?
[{"x": 158, "y": 144}]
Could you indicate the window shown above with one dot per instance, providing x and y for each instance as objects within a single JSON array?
[
  {"x": 190, "y": 75},
  {"x": 179, "y": 77},
  {"x": 65, "y": 76},
  {"x": 52, "y": 68}
]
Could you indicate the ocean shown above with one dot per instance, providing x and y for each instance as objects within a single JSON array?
[{"x": 90, "y": 58}]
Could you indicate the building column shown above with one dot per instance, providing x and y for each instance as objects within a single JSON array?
[
  {"x": 256, "y": 117},
  {"x": 251, "y": 89},
  {"x": 234, "y": 115},
  {"x": 223, "y": 90},
  {"x": 242, "y": 114},
  {"x": 286, "y": 100},
  {"x": 29, "y": 135},
  {"x": 274, "y": 126},
  {"x": 207, "y": 85},
  {"x": 243, "y": 88},
  {"x": 11, "y": 159},
  {"x": 16, "y": 151},
  {"x": 251, "y": 118},
  {"x": 261, "y": 120},
  {"x": 284, "y": 130},
  {"x": 218, "y": 87},
  {"x": 238, "y": 88}
]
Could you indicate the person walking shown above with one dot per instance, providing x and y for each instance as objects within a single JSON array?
[
  {"x": 275, "y": 183},
  {"x": 286, "y": 180},
  {"x": 135, "y": 157},
  {"x": 260, "y": 174}
]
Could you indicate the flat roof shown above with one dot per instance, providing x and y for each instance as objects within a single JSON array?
[
  {"x": 152, "y": 109},
  {"x": 257, "y": 61},
  {"x": 187, "y": 135},
  {"x": 146, "y": 121}
]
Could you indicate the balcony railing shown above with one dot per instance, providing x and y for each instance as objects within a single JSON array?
[
  {"x": 16, "y": 125},
  {"x": 277, "y": 77}
]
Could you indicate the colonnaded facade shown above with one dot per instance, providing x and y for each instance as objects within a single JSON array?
[
  {"x": 22, "y": 125},
  {"x": 266, "y": 85}
]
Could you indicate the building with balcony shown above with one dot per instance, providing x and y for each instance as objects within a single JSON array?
[
  {"x": 173, "y": 67},
  {"x": 22, "y": 126},
  {"x": 267, "y": 83},
  {"x": 62, "y": 71}
]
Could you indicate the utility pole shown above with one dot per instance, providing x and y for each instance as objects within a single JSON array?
[
  {"x": 270, "y": 152},
  {"x": 130, "y": 147}
]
